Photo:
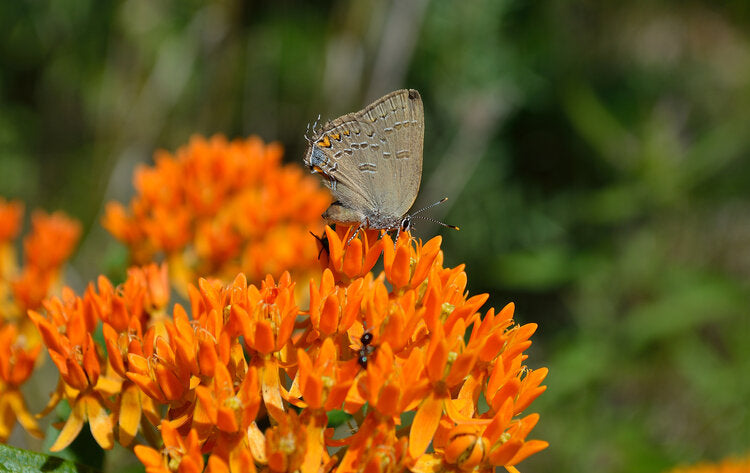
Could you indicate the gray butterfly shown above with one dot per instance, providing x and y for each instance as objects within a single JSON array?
[{"x": 372, "y": 162}]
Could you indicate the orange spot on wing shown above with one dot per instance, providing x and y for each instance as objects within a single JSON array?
[{"x": 325, "y": 142}]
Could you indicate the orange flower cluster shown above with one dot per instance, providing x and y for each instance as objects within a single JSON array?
[
  {"x": 251, "y": 379},
  {"x": 217, "y": 208},
  {"x": 46, "y": 248},
  {"x": 729, "y": 465},
  {"x": 50, "y": 243}
]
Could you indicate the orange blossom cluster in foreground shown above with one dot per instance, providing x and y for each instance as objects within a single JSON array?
[
  {"x": 251, "y": 379},
  {"x": 23, "y": 287},
  {"x": 216, "y": 208}
]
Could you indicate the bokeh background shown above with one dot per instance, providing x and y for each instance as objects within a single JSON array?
[{"x": 596, "y": 156}]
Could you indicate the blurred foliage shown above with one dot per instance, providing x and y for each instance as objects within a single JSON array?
[{"x": 596, "y": 156}]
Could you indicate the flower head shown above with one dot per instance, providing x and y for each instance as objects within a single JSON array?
[
  {"x": 24, "y": 287},
  {"x": 215, "y": 208},
  {"x": 408, "y": 340}
]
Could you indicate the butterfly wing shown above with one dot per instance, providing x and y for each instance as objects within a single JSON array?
[
  {"x": 398, "y": 119},
  {"x": 372, "y": 159}
]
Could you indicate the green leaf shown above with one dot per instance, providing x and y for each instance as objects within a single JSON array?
[{"x": 17, "y": 460}]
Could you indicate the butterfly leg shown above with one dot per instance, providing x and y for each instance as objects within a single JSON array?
[{"x": 355, "y": 233}]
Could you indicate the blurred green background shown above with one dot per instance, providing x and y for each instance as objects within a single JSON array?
[{"x": 596, "y": 156}]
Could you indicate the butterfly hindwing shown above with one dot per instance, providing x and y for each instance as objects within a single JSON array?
[{"x": 372, "y": 159}]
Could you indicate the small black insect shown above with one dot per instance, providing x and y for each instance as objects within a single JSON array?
[
  {"x": 323, "y": 241},
  {"x": 362, "y": 359},
  {"x": 365, "y": 350}
]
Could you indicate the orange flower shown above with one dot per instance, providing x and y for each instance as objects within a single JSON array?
[
  {"x": 88, "y": 382},
  {"x": 406, "y": 341},
  {"x": 376, "y": 448},
  {"x": 179, "y": 454},
  {"x": 165, "y": 372},
  {"x": 131, "y": 403},
  {"x": 11, "y": 213},
  {"x": 52, "y": 239},
  {"x": 324, "y": 383},
  {"x": 267, "y": 315},
  {"x": 295, "y": 443},
  {"x": 355, "y": 260},
  {"x": 46, "y": 248},
  {"x": 10, "y": 219},
  {"x": 49, "y": 244},
  {"x": 66, "y": 331},
  {"x": 30, "y": 288},
  {"x": 231, "y": 411},
  {"x": 216, "y": 208},
  {"x": 422, "y": 362},
  {"x": 16, "y": 365}
]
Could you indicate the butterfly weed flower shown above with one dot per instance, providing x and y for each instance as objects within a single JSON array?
[
  {"x": 215, "y": 208},
  {"x": 16, "y": 366},
  {"x": 418, "y": 313},
  {"x": 178, "y": 455},
  {"x": 246, "y": 376},
  {"x": 66, "y": 329},
  {"x": 97, "y": 387},
  {"x": 23, "y": 286},
  {"x": 11, "y": 213},
  {"x": 47, "y": 247}
]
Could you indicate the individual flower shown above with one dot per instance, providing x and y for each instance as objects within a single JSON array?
[
  {"x": 178, "y": 455},
  {"x": 215, "y": 208},
  {"x": 51, "y": 241},
  {"x": 294, "y": 443}
]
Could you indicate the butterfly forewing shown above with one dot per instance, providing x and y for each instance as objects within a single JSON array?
[
  {"x": 372, "y": 159},
  {"x": 399, "y": 127}
]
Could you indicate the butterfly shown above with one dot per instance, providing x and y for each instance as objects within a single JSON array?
[{"x": 372, "y": 162}]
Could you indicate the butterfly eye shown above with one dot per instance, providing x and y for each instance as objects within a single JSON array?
[{"x": 406, "y": 224}]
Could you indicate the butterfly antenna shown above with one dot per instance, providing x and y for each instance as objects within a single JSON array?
[
  {"x": 430, "y": 206},
  {"x": 438, "y": 222},
  {"x": 432, "y": 219}
]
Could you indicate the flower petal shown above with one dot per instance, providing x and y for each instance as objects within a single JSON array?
[
  {"x": 100, "y": 423},
  {"x": 424, "y": 425},
  {"x": 129, "y": 414},
  {"x": 72, "y": 427}
]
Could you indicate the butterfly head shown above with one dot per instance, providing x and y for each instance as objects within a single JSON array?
[{"x": 406, "y": 224}]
